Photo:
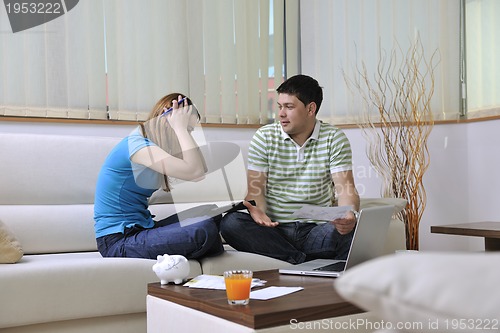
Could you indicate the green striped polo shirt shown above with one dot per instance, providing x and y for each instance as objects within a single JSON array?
[{"x": 298, "y": 175}]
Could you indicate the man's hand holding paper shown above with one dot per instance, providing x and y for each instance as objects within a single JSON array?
[
  {"x": 312, "y": 212},
  {"x": 342, "y": 217}
]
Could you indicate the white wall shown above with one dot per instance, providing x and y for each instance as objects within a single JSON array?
[
  {"x": 462, "y": 181},
  {"x": 484, "y": 171},
  {"x": 445, "y": 183}
]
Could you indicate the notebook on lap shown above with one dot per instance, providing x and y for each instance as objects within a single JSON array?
[
  {"x": 367, "y": 243},
  {"x": 203, "y": 212}
]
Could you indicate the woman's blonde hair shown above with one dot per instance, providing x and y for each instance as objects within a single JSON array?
[{"x": 157, "y": 129}]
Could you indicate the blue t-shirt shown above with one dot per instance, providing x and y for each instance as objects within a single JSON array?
[{"x": 123, "y": 189}]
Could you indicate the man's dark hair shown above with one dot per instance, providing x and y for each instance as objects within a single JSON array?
[{"x": 304, "y": 87}]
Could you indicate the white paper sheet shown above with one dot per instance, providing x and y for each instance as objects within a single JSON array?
[
  {"x": 321, "y": 213},
  {"x": 273, "y": 292},
  {"x": 206, "y": 281}
]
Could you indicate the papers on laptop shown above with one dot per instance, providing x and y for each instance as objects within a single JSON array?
[{"x": 321, "y": 213}]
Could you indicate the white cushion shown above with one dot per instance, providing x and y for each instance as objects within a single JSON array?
[
  {"x": 63, "y": 170},
  {"x": 51, "y": 169},
  {"x": 232, "y": 259},
  {"x": 429, "y": 292},
  {"x": 51, "y": 228},
  {"x": 46, "y": 288}
]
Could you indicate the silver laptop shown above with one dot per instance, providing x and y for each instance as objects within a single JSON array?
[{"x": 368, "y": 242}]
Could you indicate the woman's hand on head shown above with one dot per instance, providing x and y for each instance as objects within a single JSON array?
[{"x": 180, "y": 116}]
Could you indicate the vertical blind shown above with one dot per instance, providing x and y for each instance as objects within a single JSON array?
[
  {"x": 345, "y": 33},
  {"x": 55, "y": 69},
  {"x": 113, "y": 59},
  {"x": 482, "y": 49}
]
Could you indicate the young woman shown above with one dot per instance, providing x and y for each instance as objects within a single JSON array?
[{"x": 140, "y": 164}]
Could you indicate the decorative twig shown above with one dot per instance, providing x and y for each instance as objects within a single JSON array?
[{"x": 399, "y": 94}]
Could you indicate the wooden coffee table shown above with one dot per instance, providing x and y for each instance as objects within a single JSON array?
[
  {"x": 489, "y": 230},
  {"x": 205, "y": 308}
]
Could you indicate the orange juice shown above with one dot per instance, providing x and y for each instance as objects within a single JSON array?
[{"x": 238, "y": 286}]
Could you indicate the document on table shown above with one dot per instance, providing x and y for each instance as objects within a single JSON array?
[
  {"x": 272, "y": 292},
  {"x": 206, "y": 281},
  {"x": 321, "y": 213}
]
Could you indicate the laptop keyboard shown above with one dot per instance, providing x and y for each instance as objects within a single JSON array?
[{"x": 336, "y": 267}]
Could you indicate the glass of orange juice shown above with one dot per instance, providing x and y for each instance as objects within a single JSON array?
[{"x": 238, "y": 286}]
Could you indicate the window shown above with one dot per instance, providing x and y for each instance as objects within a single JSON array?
[
  {"x": 113, "y": 59},
  {"x": 482, "y": 47},
  {"x": 55, "y": 69},
  {"x": 341, "y": 34}
]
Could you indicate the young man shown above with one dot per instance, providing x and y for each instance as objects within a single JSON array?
[{"x": 298, "y": 160}]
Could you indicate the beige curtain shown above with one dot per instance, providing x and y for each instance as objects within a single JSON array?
[
  {"x": 55, "y": 69},
  {"x": 482, "y": 49},
  {"x": 337, "y": 35},
  {"x": 115, "y": 58},
  {"x": 230, "y": 58},
  {"x": 217, "y": 52},
  {"x": 146, "y": 44}
]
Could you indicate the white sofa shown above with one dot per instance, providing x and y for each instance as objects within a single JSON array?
[{"x": 60, "y": 283}]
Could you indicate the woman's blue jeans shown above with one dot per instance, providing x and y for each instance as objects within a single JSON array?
[
  {"x": 294, "y": 242},
  {"x": 168, "y": 236}
]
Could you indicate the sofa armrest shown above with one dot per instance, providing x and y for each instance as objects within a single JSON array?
[{"x": 398, "y": 203}]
